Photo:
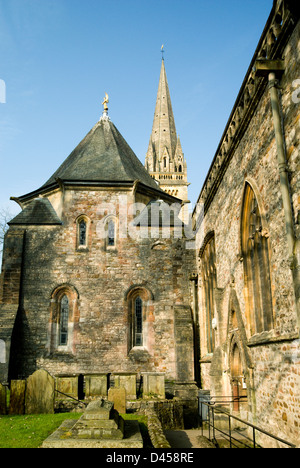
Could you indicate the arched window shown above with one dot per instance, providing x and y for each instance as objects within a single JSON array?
[
  {"x": 110, "y": 232},
  {"x": 255, "y": 250},
  {"x": 64, "y": 314},
  {"x": 138, "y": 328},
  {"x": 64, "y": 321},
  {"x": 82, "y": 233},
  {"x": 111, "y": 239},
  {"x": 139, "y": 304},
  {"x": 82, "y": 224},
  {"x": 209, "y": 285},
  {"x": 180, "y": 169}
]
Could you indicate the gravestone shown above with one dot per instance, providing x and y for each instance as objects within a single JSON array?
[
  {"x": 17, "y": 397},
  {"x": 100, "y": 426},
  {"x": 118, "y": 397},
  {"x": 40, "y": 392},
  {"x": 2, "y": 399},
  {"x": 100, "y": 421},
  {"x": 128, "y": 381},
  {"x": 68, "y": 385},
  {"x": 95, "y": 386},
  {"x": 154, "y": 385}
]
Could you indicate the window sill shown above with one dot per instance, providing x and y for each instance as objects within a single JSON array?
[
  {"x": 111, "y": 248},
  {"x": 62, "y": 351},
  {"x": 82, "y": 249},
  {"x": 139, "y": 353}
]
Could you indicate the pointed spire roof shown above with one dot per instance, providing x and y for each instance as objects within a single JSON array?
[
  {"x": 103, "y": 156},
  {"x": 179, "y": 147},
  {"x": 163, "y": 131}
]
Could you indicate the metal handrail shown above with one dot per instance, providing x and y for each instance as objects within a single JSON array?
[
  {"x": 212, "y": 409},
  {"x": 69, "y": 396}
]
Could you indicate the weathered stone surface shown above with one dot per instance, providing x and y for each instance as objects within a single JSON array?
[
  {"x": 67, "y": 385},
  {"x": 62, "y": 438},
  {"x": 269, "y": 373},
  {"x": 118, "y": 396},
  {"x": 40, "y": 392},
  {"x": 127, "y": 381},
  {"x": 99, "y": 427},
  {"x": 95, "y": 385},
  {"x": 100, "y": 421},
  {"x": 17, "y": 397},
  {"x": 99, "y": 409},
  {"x": 3, "y": 407},
  {"x": 154, "y": 385},
  {"x": 156, "y": 432}
]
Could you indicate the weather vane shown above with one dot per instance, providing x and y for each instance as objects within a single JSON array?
[{"x": 162, "y": 51}]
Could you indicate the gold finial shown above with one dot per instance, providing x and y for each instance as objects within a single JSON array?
[
  {"x": 162, "y": 51},
  {"x": 105, "y": 102}
]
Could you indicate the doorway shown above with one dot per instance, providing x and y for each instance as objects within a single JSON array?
[{"x": 239, "y": 386}]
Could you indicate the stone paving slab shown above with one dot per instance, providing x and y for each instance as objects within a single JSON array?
[{"x": 188, "y": 439}]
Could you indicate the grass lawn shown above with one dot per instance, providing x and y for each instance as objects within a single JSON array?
[{"x": 31, "y": 430}]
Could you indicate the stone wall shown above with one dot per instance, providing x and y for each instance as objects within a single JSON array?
[
  {"x": 271, "y": 364},
  {"x": 99, "y": 282}
]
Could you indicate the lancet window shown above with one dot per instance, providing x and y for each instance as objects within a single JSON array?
[
  {"x": 209, "y": 286},
  {"x": 255, "y": 250}
]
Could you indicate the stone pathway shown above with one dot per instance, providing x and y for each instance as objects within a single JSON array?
[{"x": 188, "y": 439}]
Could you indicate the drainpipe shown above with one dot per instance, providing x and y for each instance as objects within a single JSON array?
[
  {"x": 272, "y": 68},
  {"x": 282, "y": 165},
  {"x": 194, "y": 285}
]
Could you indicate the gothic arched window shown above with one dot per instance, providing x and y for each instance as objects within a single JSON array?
[
  {"x": 209, "y": 285},
  {"x": 255, "y": 250}
]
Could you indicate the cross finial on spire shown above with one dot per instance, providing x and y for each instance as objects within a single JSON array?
[
  {"x": 163, "y": 51},
  {"x": 105, "y": 102},
  {"x": 105, "y": 107}
]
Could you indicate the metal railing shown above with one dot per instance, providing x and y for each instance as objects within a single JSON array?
[
  {"x": 72, "y": 398},
  {"x": 237, "y": 438}
]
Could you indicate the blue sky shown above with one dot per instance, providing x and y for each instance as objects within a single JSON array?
[{"x": 59, "y": 57}]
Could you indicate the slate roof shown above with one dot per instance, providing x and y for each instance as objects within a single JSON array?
[
  {"x": 38, "y": 212},
  {"x": 103, "y": 156}
]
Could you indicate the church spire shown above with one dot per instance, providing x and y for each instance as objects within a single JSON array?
[
  {"x": 165, "y": 160},
  {"x": 163, "y": 135}
]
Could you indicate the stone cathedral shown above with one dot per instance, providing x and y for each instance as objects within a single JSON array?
[{"x": 99, "y": 276}]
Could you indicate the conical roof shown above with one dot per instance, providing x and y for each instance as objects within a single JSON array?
[
  {"x": 163, "y": 130},
  {"x": 103, "y": 156}
]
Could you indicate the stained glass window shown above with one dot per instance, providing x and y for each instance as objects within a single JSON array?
[
  {"x": 82, "y": 233},
  {"x": 111, "y": 233},
  {"x": 138, "y": 322},
  {"x": 64, "y": 321}
]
